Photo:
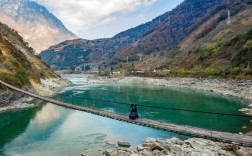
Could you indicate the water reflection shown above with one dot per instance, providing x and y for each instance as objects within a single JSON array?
[
  {"x": 71, "y": 132},
  {"x": 53, "y": 130},
  {"x": 13, "y": 124}
]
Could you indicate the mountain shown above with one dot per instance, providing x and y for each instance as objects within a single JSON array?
[
  {"x": 39, "y": 28},
  {"x": 160, "y": 42},
  {"x": 73, "y": 53},
  {"x": 18, "y": 64},
  {"x": 172, "y": 28},
  {"x": 225, "y": 46},
  {"x": 203, "y": 46}
]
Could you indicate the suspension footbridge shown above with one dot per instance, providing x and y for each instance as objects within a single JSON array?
[{"x": 180, "y": 129}]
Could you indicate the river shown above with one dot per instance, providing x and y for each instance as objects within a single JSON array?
[{"x": 52, "y": 130}]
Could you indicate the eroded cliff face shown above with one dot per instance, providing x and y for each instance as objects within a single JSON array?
[{"x": 34, "y": 23}]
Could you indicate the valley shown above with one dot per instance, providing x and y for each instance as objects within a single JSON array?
[
  {"x": 190, "y": 67},
  {"x": 77, "y": 132},
  {"x": 188, "y": 44}
]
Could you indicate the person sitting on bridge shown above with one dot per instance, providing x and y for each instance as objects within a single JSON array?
[{"x": 133, "y": 112}]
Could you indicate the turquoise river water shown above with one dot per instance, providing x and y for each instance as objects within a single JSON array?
[{"x": 52, "y": 130}]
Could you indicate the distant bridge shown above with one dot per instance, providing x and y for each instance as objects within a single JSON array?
[{"x": 180, "y": 129}]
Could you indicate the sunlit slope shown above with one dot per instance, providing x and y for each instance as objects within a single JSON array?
[
  {"x": 160, "y": 42},
  {"x": 35, "y": 23},
  {"x": 18, "y": 64}
]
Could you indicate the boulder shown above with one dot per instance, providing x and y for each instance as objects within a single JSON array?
[
  {"x": 125, "y": 149},
  {"x": 156, "y": 146},
  {"x": 147, "y": 144},
  {"x": 177, "y": 150},
  {"x": 150, "y": 140},
  {"x": 123, "y": 153},
  {"x": 167, "y": 147},
  {"x": 249, "y": 133},
  {"x": 244, "y": 151},
  {"x": 140, "y": 148},
  {"x": 108, "y": 152},
  {"x": 147, "y": 152},
  {"x": 227, "y": 147},
  {"x": 135, "y": 154},
  {"x": 177, "y": 147},
  {"x": 156, "y": 152},
  {"x": 226, "y": 153},
  {"x": 175, "y": 141},
  {"x": 123, "y": 144},
  {"x": 207, "y": 152},
  {"x": 244, "y": 110},
  {"x": 159, "y": 141},
  {"x": 244, "y": 127}
]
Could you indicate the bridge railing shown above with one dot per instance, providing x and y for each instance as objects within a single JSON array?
[{"x": 210, "y": 120}]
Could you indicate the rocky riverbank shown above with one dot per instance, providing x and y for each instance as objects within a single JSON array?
[
  {"x": 22, "y": 103},
  {"x": 10, "y": 100},
  {"x": 177, "y": 147},
  {"x": 47, "y": 86},
  {"x": 241, "y": 89},
  {"x": 237, "y": 88}
]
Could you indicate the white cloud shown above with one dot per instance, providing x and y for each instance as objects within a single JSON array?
[{"x": 82, "y": 15}]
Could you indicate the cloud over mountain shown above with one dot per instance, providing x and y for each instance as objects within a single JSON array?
[{"x": 79, "y": 15}]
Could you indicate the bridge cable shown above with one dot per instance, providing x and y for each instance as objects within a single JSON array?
[{"x": 158, "y": 107}]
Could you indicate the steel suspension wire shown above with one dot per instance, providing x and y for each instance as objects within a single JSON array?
[{"x": 158, "y": 107}]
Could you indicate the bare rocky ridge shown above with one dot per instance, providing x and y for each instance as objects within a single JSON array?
[{"x": 34, "y": 23}]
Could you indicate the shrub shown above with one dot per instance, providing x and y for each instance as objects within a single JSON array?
[
  {"x": 104, "y": 73},
  {"x": 248, "y": 71},
  {"x": 21, "y": 76},
  {"x": 8, "y": 64},
  {"x": 236, "y": 70}
]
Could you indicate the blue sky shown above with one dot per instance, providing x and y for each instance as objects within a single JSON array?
[{"x": 92, "y": 19}]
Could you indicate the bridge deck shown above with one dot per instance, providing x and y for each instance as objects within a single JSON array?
[{"x": 186, "y": 130}]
